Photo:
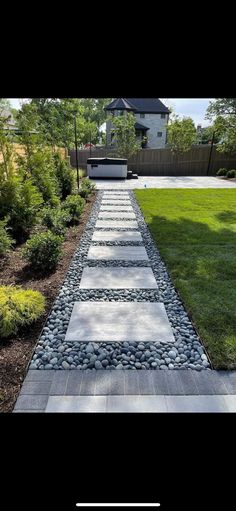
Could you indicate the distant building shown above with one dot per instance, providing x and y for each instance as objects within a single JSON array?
[{"x": 151, "y": 116}]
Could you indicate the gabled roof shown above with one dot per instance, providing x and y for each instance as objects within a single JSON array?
[
  {"x": 118, "y": 104},
  {"x": 139, "y": 105},
  {"x": 141, "y": 127}
]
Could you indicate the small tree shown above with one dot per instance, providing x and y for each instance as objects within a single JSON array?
[
  {"x": 125, "y": 141},
  {"x": 182, "y": 134},
  {"x": 223, "y": 111}
]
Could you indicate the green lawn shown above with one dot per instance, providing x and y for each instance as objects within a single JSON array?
[{"x": 195, "y": 231}]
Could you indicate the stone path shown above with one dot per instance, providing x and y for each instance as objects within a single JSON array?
[{"x": 95, "y": 326}]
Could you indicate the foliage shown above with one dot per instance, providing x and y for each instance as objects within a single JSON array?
[
  {"x": 223, "y": 111},
  {"x": 18, "y": 308},
  {"x": 181, "y": 134},
  {"x": 56, "y": 220},
  {"x": 221, "y": 172},
  {"x": 87, "y": 187},
  {"x": 40, "y": 166},
  {"x": 43, "y": 251},
  {"x": 24, "y": 209},
  {"x": 205, "y": 136},
  {"x": 231, "y": 174},
  {"x": 74, "y": 205},
  {"x": 64, "y": 174},
  {"x": 125, "y": 141},
  {"x": 6, "y": 241}
]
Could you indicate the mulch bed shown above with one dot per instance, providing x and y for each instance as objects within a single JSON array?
[{"x": 16, "y": 352}]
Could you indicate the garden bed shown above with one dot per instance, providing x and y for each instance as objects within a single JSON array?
[{"x": 16, "y": 352}]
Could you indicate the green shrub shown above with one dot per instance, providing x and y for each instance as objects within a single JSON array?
[
  {"x": 87, "y": 187},
  {"x": 40, "y": 166},
  {"x": 18, "y": 308},
  {"x": 74, "y": 205},
  {"x": 65, "y": 176},
  {"x": 231, "y": 174},
  {"x": 6, "y": 241},
  {"x": 24, "y": 212},
  {"x": 56, "y": 220},
  {"x": 43, "y": 251},
  {"x": 221, "y": 172}
]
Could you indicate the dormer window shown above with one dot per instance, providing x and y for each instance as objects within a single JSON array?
[{"x": 142, "y": 116}]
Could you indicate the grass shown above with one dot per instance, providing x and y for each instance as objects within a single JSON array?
[{"x": 195, "y": 231}]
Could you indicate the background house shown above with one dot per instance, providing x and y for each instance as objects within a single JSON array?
[{"x": 151, "y": 119}]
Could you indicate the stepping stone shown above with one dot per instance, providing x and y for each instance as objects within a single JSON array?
[
  {"x": 116, "y": 236},
  {"x": 115, "y": 193},
  {"x": 116, "y": 208},
  {"x": 118, "y": 278},
  {"x": 115, "y": 197},
  {"x": 119, "y": 322},
  {"x": 116, "y": 203},
  {"x": 116, "y": 214},
  {"x": 127, "y": 253},
  {"x": 123, "y": 224}
]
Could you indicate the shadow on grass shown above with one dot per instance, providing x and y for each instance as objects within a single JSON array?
[{"x": 202, "y": 264}]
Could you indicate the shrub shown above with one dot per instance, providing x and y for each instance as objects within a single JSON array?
[
  {"x": 18, "y": 308},
  {"x": 43, "y": 251},
  {"x": 24, "y": 212},
  {"x": 65, "y": 176},
  {"x": 40, "y": 166},
  {"x": 86, "y": 188},
  {"x": 74, "y": 205},
  {"x": 6, "y": 241},
  {"x": 221, "y": 172},
  {"x": 231, "y": 174},
  {"x": 56, "y": 220}
]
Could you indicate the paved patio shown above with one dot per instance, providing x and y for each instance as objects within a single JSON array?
[{"x": 165, "y": 182}]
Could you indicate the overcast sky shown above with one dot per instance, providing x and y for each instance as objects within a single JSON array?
[{"x": 190, "y": 107}]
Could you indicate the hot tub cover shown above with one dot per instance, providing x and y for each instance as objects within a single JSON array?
[{"x": 107, "y": 161}]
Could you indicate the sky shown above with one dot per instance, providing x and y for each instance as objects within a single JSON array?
[{"x": 189, "y": 107}]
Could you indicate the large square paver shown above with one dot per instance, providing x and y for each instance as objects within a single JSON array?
[
  {"x": 116, "y": 208},
  {"x": 118, "y": 278},
  {"x": 113, "y": 224},
  {"x": 116, "y": 214},
  {"x": 127, "y": 253},
  {"x": 119, "y": 321},
  {"x": 116, "y": 236}
]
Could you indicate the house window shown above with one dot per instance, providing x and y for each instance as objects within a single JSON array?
[
  {"x": 159, "y": 133},
  {"x": 163, "y": 116},
  {"x": 142, "y": 116}
]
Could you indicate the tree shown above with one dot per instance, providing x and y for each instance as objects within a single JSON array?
[
  {"x": 206, "y": 134},
  {"x": 126, "y": 144},
  {"x": 223, "y": 111},
  {"x": 182, "y": 134}
]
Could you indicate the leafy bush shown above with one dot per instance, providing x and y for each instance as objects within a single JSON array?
[
  {"x": 231, "y": 173},
  {"x": 221, "y": 172},
  {"x": 6, "y": 241},
  {"x": 56, "y": 220},
  {"x": 20, "y": 200},
  {"x": 87, "y": 187},
  {"x": 74, "y": 205},
  {"x": 23, "y": 214},
  {"x": 18, "y": 308},
  {"x": 40, "y": 166},
  {"x": 65, "y": 176},
  {"x": 43, "y": 251}
]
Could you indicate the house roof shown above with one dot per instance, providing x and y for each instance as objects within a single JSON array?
[
  {"x": 118, "y": 104},
  {"x": 139, "y": 105},
  {"x": 141, "y": 127}
]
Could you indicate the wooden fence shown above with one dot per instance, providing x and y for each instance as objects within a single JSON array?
[
  {"x": 18, "y": 150},
  {"x": 162, "y": 162}
]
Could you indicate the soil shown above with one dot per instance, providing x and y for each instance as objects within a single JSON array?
[{"x": 16, "y": 352}]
